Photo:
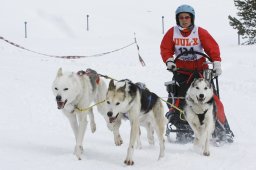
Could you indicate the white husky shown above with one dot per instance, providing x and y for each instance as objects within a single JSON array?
[
  {"x": 142, "y": 108},
  {"x": 74, "y": 92},
  {"x": 199, "y": 112}
]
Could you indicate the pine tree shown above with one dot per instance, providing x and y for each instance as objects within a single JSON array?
[{"x": 246, "y": 25}]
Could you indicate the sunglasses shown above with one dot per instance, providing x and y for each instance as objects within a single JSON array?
[{"x": 184, "y": 17}]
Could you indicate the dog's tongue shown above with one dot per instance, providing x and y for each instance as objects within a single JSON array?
[
  {"x": 60, "y": 105},
  {"x": 200, "y": 99},
  {"x": 111, "y": 119}
]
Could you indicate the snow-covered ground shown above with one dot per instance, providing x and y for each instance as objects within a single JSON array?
[{"x": 35, "y": 134}]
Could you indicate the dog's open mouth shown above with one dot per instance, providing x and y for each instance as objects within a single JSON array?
[
  {"x": 61, "y": 104},
  {"x": 112, "y": 119},
  {"x": 200, "y": 99}
]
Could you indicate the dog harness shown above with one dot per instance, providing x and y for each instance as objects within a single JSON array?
[
  {"x": 92, "y": 74},
  {"x": 148, "y": 99},
  {"x": 201, "y": 117}
]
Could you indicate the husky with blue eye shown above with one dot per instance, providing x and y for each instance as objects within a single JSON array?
[
  {"x": 199, "y": 112},
  {"x": 141, "y": 106}
]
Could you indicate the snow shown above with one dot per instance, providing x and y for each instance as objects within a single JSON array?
[{"x": 35, "y": 134}]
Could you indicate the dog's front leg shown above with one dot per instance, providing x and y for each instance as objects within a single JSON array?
[
  {"x": 206, "y": 151},
  {"x": 203, "y": 139},
  {"x": 92, "y": 121},
  {"x": 114, "y": 127},
  {"x": 133, "y": 136},
  {"x": 139, "y": 145},
  {"x": 117, "y": 136},
  {"x": 73, "y": 122},
  {"x": 196, "y": 133},
  {"x": 82, "y": 117},
  {"x": 74, "y": 125}
]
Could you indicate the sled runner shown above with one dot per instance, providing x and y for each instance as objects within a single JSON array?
[{"x": 177, "y": 125}]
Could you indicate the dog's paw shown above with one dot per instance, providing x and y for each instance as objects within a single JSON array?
[
  {"x": 78, "y": 151},
  {"x": 129, "y": 162},
  {"x": 118, "y": 140},
  {"x": 93, "y": 127},
  {"x": 161, "y": 155},
  {"x": 206, "y": 153}
]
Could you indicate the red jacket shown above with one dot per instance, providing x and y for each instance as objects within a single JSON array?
[{"x": 209, "y": 45}]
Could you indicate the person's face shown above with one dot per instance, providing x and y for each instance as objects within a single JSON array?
[{"x": 185, "y": 20}]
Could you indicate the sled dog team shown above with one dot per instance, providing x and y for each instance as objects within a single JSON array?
[{"x": 76, "y": 92}]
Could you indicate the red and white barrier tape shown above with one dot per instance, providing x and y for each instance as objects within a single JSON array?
[{"x": 75, "y": 56}]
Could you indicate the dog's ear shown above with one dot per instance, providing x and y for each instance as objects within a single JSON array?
[
  {"x": 121, "y": 89},
  {"x": 111, "y": 85},
  {"x": 59, "y": 73},
  {"x": 209, "y": 84},
  {"x": 194, "y": 82}
]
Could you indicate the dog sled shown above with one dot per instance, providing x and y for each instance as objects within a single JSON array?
[{"x": 178, "y": 129}]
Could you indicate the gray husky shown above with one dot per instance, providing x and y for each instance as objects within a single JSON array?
[
  {"x": 199, "y": 112},
  {"x": 142, "y": 108}
]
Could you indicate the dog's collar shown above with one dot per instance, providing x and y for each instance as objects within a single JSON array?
[
  {"x": 74, "y": 109},
  {"x": 125, "y": 115},
  {"x": 85, "y": 109},
  {"x": 210, "y": 101}
]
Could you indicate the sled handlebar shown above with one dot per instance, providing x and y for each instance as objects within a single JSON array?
[
  {"x": 194, "y": 54},
  {"x": 193, "y": 71}
]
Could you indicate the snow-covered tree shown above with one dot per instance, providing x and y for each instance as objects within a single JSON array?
[{"x": 246, "y": 24}]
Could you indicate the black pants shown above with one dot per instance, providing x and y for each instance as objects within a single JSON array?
[{"x": 182, "y": 82}]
